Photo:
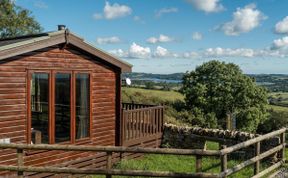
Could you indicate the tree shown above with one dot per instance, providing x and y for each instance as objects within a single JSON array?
[
  {"x": 16, "y": 21},
  {"x": 220, "y": 89}
]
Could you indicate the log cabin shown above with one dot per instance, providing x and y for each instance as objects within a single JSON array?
[{"x": 57, "y": 89}]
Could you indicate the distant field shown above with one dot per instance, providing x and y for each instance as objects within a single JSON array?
[
  {"x": 150, "y": 95},
  {"x": 279, "y": 97},
  {"x": 278, "y": 108}
]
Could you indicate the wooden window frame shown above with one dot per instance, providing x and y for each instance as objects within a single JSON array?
[{"x": 51, "y": 128}]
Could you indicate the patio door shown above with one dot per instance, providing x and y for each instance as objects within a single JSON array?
[{"x": 59, "y": 106}]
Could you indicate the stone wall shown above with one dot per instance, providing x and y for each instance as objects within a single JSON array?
[{"x": 196, "y": 137}]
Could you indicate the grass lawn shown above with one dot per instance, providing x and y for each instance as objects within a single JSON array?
[
  {"x": 145, "y": 94},
  {"x": 181, "y": 164}
]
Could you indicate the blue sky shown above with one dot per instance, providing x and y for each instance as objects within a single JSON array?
[{"x": 168, "y": 36}]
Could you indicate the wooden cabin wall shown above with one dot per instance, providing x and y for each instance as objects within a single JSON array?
[{"x": 13, "y": 97}]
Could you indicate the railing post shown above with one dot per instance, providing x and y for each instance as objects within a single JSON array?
[
  {"x": 257, "y": 153},
  {"x": 20, "y": 162},
  {"x": 224, "y": 161},
  {"x": 198, "y": 163},
  {"x": 109, "y": 163},
  {"x": 282, "y": 140}
]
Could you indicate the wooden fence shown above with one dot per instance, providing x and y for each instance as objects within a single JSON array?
[
  {"x": 109, "y": 171},
  {"x": 141, "y": 123},
  {"x": 258, "y": 156},
  {"x": 20, "y": 168}
]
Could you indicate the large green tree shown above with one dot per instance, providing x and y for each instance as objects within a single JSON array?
[
  {"x": 15, "y": 20},
  {"x": 219, "y": 89}
]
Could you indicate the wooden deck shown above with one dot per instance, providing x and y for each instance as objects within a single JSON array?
[{"x": 141, "y": 123}]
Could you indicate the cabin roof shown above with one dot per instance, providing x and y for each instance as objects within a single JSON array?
[{"x": 10, "y": 47}]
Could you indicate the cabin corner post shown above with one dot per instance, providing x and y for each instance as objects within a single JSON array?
[
  {"x": 28, "y": 108},
  {"x": 118, "y": 122}
]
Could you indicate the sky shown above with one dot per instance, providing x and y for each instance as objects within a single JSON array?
[{"x": 169, "y": 36}]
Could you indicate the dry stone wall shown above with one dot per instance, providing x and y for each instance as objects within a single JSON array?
[{"x": 196, "y": 137}]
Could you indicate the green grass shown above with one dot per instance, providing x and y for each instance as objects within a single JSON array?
[
  {"x": 181, "y": 164},
  {"x": 150, "y": 95},
  {"x": 279, "y": 97}
]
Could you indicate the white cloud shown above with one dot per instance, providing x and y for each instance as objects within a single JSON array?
[
  {"x": 278, "y": 49},
  {"x": 244, "y": 20},
  {"x": 108, "y": 40},
  {"x": 161, "y": 52},
  {"x": 207, "y": 6},
  {"x": 119, "y": 53},
  {"x": 197, "y": 36},
  {"x": 160, "y": 39},
  {"x": 137, "y": 51},
  {"x": 280, "y": 43},
  {"x": 228, "y": 52},
  {"x": 191, "y": 54},
  {"x": 282, "y": 26},
  {"x": 113, "y": 11},
  {"x": 160, "y": 12}
]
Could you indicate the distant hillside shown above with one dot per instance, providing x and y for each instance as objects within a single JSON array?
[
  {"x": 273, "y": 82},
  {"x": 137, "y": 76}
]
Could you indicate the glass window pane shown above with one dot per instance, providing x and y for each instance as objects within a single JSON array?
[
  {"x": 82, "y": 105},
  {"x": 62, "y": 107},
  {"x": 39, "y": 95}
]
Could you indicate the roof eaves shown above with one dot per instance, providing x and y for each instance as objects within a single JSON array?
[
  {"x": 22, "y": 47},
  {"x": 21, "y": 43}
]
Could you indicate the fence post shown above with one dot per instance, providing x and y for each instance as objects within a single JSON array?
[
  {"x": 224, "y": 161},
  {"x": 20, "y": 162},
  {"x": 109, "y": 163},
  {"x": 282, "y": 139},
  {"x": 198, "y": 163},
  {"x": 257, "y": 163}
]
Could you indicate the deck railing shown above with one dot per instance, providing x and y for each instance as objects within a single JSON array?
[{"x": 141, "y": 122}]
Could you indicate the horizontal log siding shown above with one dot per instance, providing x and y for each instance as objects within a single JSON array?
[{"x": 13, "y": 116}]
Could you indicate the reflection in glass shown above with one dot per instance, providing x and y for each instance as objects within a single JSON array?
[
  {"x": 39, "y": 97},
  {"x": 82, "y": 105},
  {"x": 62, "y": 107}
]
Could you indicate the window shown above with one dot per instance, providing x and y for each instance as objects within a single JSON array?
[
  {"x": 59, "y": 106},
  {"x": 62, "y": 107},
  {"x": 40, "y": 107},
  {"x": 82, "y": 106}
]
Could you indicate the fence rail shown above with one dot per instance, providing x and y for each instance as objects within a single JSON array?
[
  {"x": 20, "y": 168},
  {"x": 257, "y": 158},
  {"x": 109, "y": 150}
]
